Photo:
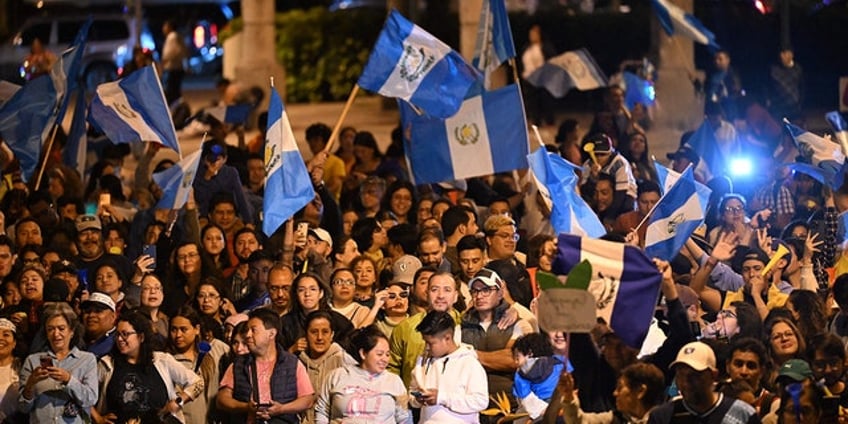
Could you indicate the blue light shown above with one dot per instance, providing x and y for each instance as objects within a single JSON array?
[{"x": 741, "y": 167}]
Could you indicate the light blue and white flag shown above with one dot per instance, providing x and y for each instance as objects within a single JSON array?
[
  {"x": 840, "y": 128},
  {"x": 71, "y": 65},
  {"x": 231, "y": 114},
  {"x": 410, "y": 64},
  {"x": 675, "y": 21},
  {"x": 625, "y": 283},
  {"x": 76, "y": 149},
  {"x": 817, "y": 150},
  {"x": 667, "y": 177},
  {"x": 678, "y": 213},
  {"x": 177, "y": 180},
  {"x": 638, "y": 90},
  {"x": 134, "y": 109},
  {"x": 704, "y": 143},
  {"x": 487, "y": 135},
  {"x": 557, "y": 182},
  {"x": 494, "y": 38},
  {"x": 573, "y": 69},
  {"x": 354, "y": 4},
  {"x": 288, "y": 187}
]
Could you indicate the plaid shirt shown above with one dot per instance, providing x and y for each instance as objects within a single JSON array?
[{"x": 785, "y": 204}]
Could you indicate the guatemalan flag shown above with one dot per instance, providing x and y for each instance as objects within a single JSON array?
[
  {"x": 494, "y": 38},
  {"x": 678, "y": 213},
  {"x": 487, "y": 135},
  {"x": 674, "y": 20},
  {"x": 76, "y": 149},
  {"x": 230, "y": 114},
  {"x": 574, "y": 69},
  {"x": 557, "y": 182},
  {"x": 625, "y": 283},
  {"x": 288, "y": 187},
  {"x": 840, "y": 128},
  {"x": 134, "y": 109},
  {"x": 638, "y": 90},
  {"x": 176, "y": 181},
  {"x": 409, "y": 63},
  {"x": 667, "y": 177},
  {"x": 819, "y": 152}
]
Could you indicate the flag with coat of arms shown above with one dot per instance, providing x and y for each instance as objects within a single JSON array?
[
  {"x": 487, "y": 135},
  {"x": 494, "y": 38},
  {"x": 411, "y": 64},
  {"x": 678, "y": 213},
  {"x": 177, "y": 181},
  {"x": 572, "y": 69}
]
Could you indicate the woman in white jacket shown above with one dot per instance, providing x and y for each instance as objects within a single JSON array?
[
  {"x": 364, "y": 393},
  {"x": 136, "y": 382},
  {"x": 448, "y": 382}
]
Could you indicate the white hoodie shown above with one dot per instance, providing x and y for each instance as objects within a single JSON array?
[{"x": 461, "y": 382}]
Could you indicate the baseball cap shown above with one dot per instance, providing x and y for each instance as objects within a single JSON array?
[
  {"x": 322, "y": 234},
  {"x": 601, "y": 141},
  {"x": 685, "y": 152},
  {"x": 63, "y": 266},
  {"x": 88, "y": 222},
  {"x": 756, "y": 254},
  {"x": 697, "y": 355},
  {"x": 796, "y": 370},
  {"x": 99, "y": 300},
  {"x": 488, "y": 277},
  {"x": 404, "y": 269}
]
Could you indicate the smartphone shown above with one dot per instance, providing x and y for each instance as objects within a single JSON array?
[
  {"x": 150, "y": 250},
  {"x": 82, "y": 276},
  {"x": 416, "y": 394},
  {"x": 105, "y": 199},
  {"x": 46, "y": 361},
  {"x": 302, "y": 230}
]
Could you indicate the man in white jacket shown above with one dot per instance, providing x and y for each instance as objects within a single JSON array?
[{"x": 448, "y": 382}]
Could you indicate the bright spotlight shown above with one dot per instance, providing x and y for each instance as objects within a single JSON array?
[{"x": 741, "y": 167}]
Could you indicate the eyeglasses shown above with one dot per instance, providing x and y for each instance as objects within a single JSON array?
[
  {"x": 784, "y": 335},
  {"x": 343, "y": 282},
  {"x": 187, "y": 256},
  {"x": 508, "y": 236},
  {"x": 209, "y": 296},
  {"x": 734, "y": 209},
  {"x": 485, "y": 291},
  {"x": 726, "y": 313},
  {"x": 402, "y": 295},
  {"x": 125, "y": 334}
]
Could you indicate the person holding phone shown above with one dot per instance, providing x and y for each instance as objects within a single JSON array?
[{"x": 62, "y": 381}]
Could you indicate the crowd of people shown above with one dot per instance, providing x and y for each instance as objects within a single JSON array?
[{"x": 383, "y": 301}]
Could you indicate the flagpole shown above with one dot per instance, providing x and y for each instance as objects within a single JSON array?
[
  {"x": 648, "y": 215},
  {"x": 46, "y": 154},
  {"x": 338, "y": 127}
]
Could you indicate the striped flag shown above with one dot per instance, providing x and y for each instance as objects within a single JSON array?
[
  {"x": 76, "y": 149},
  {"x": 667, "y": 177},
  {"x": 674, "y": 20},
  {"x": 288, "y": 187},
  {"x": 625, "y": 283},
  {"x": 678, "y": 213},
  {"x": 574, "y": 69},
  {"x": 494, "y": 38},
  {"x": 230, "y": 114},
  {"x": 177, "y": 180},
  {"x": 410, "y": 64},
  {"x": 817, "y": 150},
  {"x": 487, "y": 135},
  {"x": 134, "y": 109},
  {"x": 557, "y": 182},
  {"x": 840, "y": 129}
]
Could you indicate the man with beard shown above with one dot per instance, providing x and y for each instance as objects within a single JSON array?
[
  {"x": 246, "y": 242},
  {"x": 695, "y": 374},
  {"x": 91, "y": 250}
]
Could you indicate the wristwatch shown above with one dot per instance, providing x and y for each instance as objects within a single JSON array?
[{"x": 179, "y": 401}]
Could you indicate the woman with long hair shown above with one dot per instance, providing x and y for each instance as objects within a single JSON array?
[
  {"x": 139, "y": 382},
  {"x": 309, "y": 294},
  {"x": 61, "y": 382},
  {"x": 190, "y": 265},
  {"x": 732, "y": 217},
  {"x": 343, "y": 286},
  {"x": 365, "y": 272},
  {"x": 10, "y": 367},
  {"x": 214, "y": 242},
  {"x": 635, "y": 150},
  {"x": 112, "y": 282},
  {"x": 784, "y": 340},
  {"x": 364, "y": 390},
  {"x": 213, "y": 301},
  {"x": 808, "y": 310},
  {"x": 322, "y": 354},
  {"x": 401, "y": 200}
]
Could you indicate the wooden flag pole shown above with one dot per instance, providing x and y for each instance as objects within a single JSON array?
[
  {"x": 338, "y": 127},
  {"x": 45, "y": 153}
]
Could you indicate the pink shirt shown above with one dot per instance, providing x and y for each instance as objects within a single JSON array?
[{"x": 264, "y": 369}]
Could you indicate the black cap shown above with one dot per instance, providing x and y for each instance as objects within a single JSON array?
[{"x": 685, "y": 152}]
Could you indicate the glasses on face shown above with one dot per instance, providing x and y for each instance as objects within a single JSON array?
[
  {"x": 784, "y": 335},
  {"x": 508, "y": 236},
  {"x": 125, "y": 334},
  {"x": 402, "y": 295},
  {"x": 726, "y": 313},
  {"x": 343, "y": 282},
  {"x": 734, "y": 209},
  {"x": 209, "y": 296},
  {"x": 187, "y": 256},
  {"x": 485, "y": 291}
]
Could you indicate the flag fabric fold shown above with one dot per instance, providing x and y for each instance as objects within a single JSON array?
[
  {"x": 7, "y": 90},
  {"x": 487, "y": 135},
  {"x": 409, "y": 63},
  {"x": 557, "y": 182},
  {"x": 667, "y": 177},
  {"x": 134, "y": 109},
  {"x": 494, "y": 38},
  {"x": 840, "y": 129},
  {"x": 704, "y": 143},
  {"x": 230, "y": 114},
  {"x": 26, "y": 119},
  {"x": 638, "y": 90},
  {"x": 675, "y": 21},
  {"x": 678, "y": 213},
  {"x": 288, "y": 187},
  {"x": 76, "y": 148},
  {"x": 625, "y": 283},
  {"x": 572, "y": 69},
  {"x": 177, "y": 180},
  {"x": 817, "y": 150}
]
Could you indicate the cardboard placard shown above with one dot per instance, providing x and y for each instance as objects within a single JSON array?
[{"x": 567, "y": 310}]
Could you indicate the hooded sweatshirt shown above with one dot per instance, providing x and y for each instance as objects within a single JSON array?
[
  {"x": 352, "y": 395},
  {"x": 461, "y": 382},
  {"x": 319, "y": 369}
]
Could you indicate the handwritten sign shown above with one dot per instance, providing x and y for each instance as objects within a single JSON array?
[{"x": 567, "y": 310}]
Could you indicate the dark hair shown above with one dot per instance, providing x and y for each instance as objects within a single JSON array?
[
  {"x": 217, "y": 284},
  {"x": 144, "y": 329},
  {"x": 453, "y": 218},
  {"x": 316, "y": 315},
  {"x": 828, "y": 344},
  {"x": 648, "y": 186},
  {"x": 412, "y": 214},
  {"x": 534, "y": 248},
  {"x": 769, "y": 325},
  {"x": 431, "y": 233},
  {"x": 840, "y": 289},
  {"x": 787, "y": 230},
  {"x": 406, "y": 236},
  {"x": 112, "y": 184},
  {"x": 364, "y": 339},
  {"x": 339, "y": 245},
  {"x": 727, "y": 197},
  {"x": 802, "y": 387},
  {"x": 436, "y": 323},
  {"x": 270, "y": 319},
  {"x": 734, "y": 388},
  {"x": 536, "y": 345},
  {"x": 750, "y": 323},
  {"x": 222, "y": 198},
  {"x": 260, "y": 238},
  {"x": 752, "y": 345},
  {"x": 471, "y": 242},
  {"x": 224, "y": 256},
  {"x": 323, "y": 303},
  {"x": 651, "y": 377},
  {"x": 318, "y": 130},
  {"x": 366, "y": 139},
  {"x": 810, "y": 308},
  {"x": 565, "y": 127},
  {"x": 26, "y": 220},
  {"x": 363, "y": 232},
  {"x": 193, "y": 317},
  {"x": 7, "y": 241},
  {"x": 65, "y": 200}
]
